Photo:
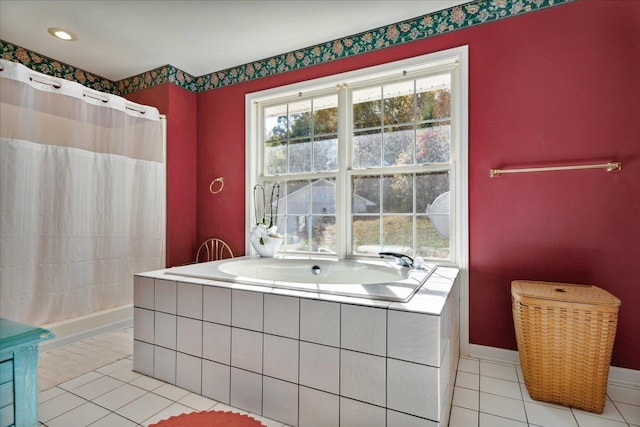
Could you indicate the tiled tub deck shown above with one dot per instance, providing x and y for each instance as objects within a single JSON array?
[{"x": 301, "y": 358}]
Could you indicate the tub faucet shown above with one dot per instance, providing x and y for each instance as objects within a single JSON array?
[{"x": 404, "y": 260}]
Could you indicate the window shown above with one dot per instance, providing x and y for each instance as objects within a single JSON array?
[{"x": 365, "y": 162}]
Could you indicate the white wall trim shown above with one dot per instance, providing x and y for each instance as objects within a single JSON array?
[
  {"x": 624, "y": 376},
  {"x": 493, "y": 353},
  {"x": 462, "y": 197},
  {"x": 91, "y": 325},
  {"x": 617, "y": 376}
]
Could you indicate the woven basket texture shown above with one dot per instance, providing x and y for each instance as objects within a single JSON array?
[{"x": 565, "y": 335}]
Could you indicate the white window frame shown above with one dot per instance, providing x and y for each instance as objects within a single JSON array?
[{"x": 430, "y": 63}]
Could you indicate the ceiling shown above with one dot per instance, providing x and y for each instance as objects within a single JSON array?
[{"x": 120, "y": 39}]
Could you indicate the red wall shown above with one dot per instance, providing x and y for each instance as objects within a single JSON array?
[
  {"x": 552, "y": 87},
  {"x": 179, "y": 105},
  {"x": 556, "y": 87}
]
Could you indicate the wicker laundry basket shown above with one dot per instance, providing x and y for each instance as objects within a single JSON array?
[{"x": 565, "y": 337}]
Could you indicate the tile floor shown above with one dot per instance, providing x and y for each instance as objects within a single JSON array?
[
  {"x": 489, "y": 394},
  {"x": 91, "y": 383}
]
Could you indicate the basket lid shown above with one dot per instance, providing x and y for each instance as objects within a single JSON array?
[{"x": 567, "y": 292}]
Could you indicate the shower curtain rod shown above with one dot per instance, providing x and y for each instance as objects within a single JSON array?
[{"x": 610, "y": 167}]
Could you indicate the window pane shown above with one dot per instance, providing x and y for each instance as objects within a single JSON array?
[
  {"x": 397, "y": 234},
  {"x": 433, "y": 143},
  {"x": 398, "y": 146},
  {"x": 323, "y": 196},
  {"x": 325, "y": 115},
  {"x": 367, "y": 149},
  {"x": 275, "y": 123},
  {"x": 280, "y": 222},
  {"x": 310, "y": 222},
  {"x": 325, "y": 154},
  {"x": 366, "y": 234},
  {"x": 433, "y": 96},
  {"x": 367, "y": 108},
  {"x": 398, "y": 103},
  {"x": 297, "y": 233},
  {"x": 298, "y": 193},
  {"x": 432, "y": 230},
  {"x": 366, "y": 194},
  {"x": 428, "y": 187},
  {"x": 323, "y": 233},
  {"x": 429, "y": 242},
  {"x": 267, "y": 208},
  {"x": 300, "y": 119},
  {"x": 300, "y": 156},
  {"x": 397, "y": 194},
  {"x": 284, "y": 232},
  {"x": 275, "y": 161}
]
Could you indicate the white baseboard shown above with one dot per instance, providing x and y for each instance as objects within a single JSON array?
[
  {"x": 493, "y": 353},
  {"x": 624, "y": 376},
  {"x": 90, "y": 325},
  {"x": 617, "y": 376}
]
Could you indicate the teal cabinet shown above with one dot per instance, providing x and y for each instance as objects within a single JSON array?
[{"x": 19, "y": 372}]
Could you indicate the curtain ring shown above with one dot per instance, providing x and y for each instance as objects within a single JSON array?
[{"x": 220, "y": 187}]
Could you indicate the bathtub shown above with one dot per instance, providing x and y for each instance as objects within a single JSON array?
[
  {"x": 274, "y": 337},
  {"x": 371, "y": 279}
]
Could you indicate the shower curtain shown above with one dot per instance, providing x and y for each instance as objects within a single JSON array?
[{"x": 82, "y": 197}]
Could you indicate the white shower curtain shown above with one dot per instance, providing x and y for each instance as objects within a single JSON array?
[{"x": 82, "y": 197}]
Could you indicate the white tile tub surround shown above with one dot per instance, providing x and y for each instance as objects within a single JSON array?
[
  {"x": 216, "y": 381},
  {"x": 144, "y": 360},
  {"x": 143, "y": 324},
  {"x": 165, "y": 296},
  {"x": 363, "y": 377},
  {"x": 320, "y": 322},
  {"x": 364, "y": 329},
  {"x": 165, "y": 332},
  {"x": 164, "y": 364},
  {"x": 190, "y": 300},
  {"x": 144, "y": 292},
  {"x": 317, "y": 408},
  {"x": 189, "y": 372},
  {"x": 282, "y": 316},
  {"x": 246, "y": 350},
  {"x": 247, "y": 310},
  {"x": 414, "y": 337},
  {"x": 303, "y": 361},
  {"x": 216, "y": 305},
  {"x": 216, "y": 343},
  {"x": 413, "y": 388},
  {"x": 280, "y": 400},
  {"x": 280, "y": 358},
  {"x": 246, "y": 390},
  {"x": 320, "y": 367},
  {"x": 354, "y": 413},
  {"x": 189, "y": 336}
]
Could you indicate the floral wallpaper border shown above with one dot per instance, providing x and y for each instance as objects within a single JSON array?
[
  {"x": 55, "y": 68},
  {"x": 455, "y": 18}
]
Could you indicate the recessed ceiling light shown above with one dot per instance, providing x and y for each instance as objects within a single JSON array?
[{"x": 62, "y": 34}]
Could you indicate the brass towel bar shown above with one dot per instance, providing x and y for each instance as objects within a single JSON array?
[{"x": 610, "y": 167}]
